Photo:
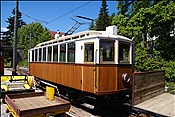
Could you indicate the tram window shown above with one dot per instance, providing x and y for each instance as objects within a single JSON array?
[
  {"x": 44, "y": 54},
  {"x": 123, "y": 52},
  {"x": 63, "y": 53},
  {"x": 55, "y": 53},
  {"x": 40, "y": 50},
  {"x": 36, "y": 54},
  {"x": 32, "y": 55},
  {"x": 49, "y": 55},
  {"x": 106, "y": 50},
  {"x": 89, "y": 52},
  {"x": 71, "y": 52}
]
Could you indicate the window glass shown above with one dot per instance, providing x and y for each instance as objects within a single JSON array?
[
  {"x": 36, "y": 54},
  {"x": 71, "y": 52},
  {"x": 49, "y": 55},
  {"x": 40, "y": 53},
  {"x": 44, "y": 54},
  {"x": 89, "y": 52},
  {"x": 106, "y": 50},
  {"x": 32, "y": 55},
  {"x": 123, "y": 52},
  {"x": 63, "y": 53},
  {"x": 55, "y": 53}
]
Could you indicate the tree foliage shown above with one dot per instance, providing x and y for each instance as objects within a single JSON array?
[
  {"x": 151, "y": 23},
  {"x": 7, "y": 37},
  {"x": 145, "y": 61},
  {"x": 103, "y": 18},
  {"x": 32, "y": 34},
  {"x": 153, "y": 19}
]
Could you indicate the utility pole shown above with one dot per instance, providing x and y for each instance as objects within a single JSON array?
[{"x": 15, "y": 38}]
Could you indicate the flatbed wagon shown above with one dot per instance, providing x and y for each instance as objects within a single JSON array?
[{"x": 35, "y": 105}]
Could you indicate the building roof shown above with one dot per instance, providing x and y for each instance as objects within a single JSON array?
[{"x": 52, "y": 33}]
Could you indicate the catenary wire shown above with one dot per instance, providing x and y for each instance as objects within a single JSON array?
[
  {"x": 68, "y": 12},
  {"x": 42, "y": 21}
]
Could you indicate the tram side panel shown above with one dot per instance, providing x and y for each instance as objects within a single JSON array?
[
  {"x": 102, "y": 79},
  {"x": 121, "y": 85},
  {"x": 64, "y": 74},
  {"x": 109, "y": 78}
]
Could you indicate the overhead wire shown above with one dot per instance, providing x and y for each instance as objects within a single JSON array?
[
  {"x": 42, "y": 21},
  {"x": 68, "y": 12}
]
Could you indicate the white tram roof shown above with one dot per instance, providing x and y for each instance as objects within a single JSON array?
[{"x": 82, "y": 36}]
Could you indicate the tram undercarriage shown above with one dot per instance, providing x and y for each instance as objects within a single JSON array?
[{"x": 87, "y": 99}]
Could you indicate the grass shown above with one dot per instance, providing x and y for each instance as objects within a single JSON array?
[{"x": 23, "y": 63}]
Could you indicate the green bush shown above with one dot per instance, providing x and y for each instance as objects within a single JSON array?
[
  {"x": 169, "y": 68},
  {"x": 23, "y": 63},
  {"x": 145, "y": 61},
  {"x": 171, "y": 87}
]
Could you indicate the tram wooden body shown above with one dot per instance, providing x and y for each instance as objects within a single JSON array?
[{"x": 97, "y": 62}]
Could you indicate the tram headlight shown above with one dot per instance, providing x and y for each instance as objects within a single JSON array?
[{"x": 125, "y": 77}]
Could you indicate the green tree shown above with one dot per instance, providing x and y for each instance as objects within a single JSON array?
[
  {"x": 30, "y": 35},
  {"x": 7, "y": 37},
  {"x": 123, "y": 6},
  {"x": 103, "y": 18},
  {"x": 146, "y": 62},
  {"x": 160, "y": 25},
  {"x": 155, "y": 20}
]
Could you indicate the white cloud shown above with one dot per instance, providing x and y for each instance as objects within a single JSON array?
[{"x": 3, "y": 29}]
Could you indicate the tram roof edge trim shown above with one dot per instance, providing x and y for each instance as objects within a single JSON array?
[{"x": 82, "y": 35}]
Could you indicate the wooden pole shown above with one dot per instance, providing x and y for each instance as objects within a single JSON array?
[{"x": 15, "y": 38}]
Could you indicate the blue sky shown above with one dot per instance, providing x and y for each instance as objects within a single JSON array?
[{"x": 50, "y": 10}]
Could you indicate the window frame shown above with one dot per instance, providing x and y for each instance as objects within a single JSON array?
[
  {"x": 33, "y": 55},
  {"x": 44, "y": 53},
  {"x": 114, "y": 51},
  {"x": 39, "y": 54},
  {"x": 53, "y": 56},
  {"x": 65, "y": 53},
  {"x": 86, "y": 43},
  {"x": 49, "y": 55},
  {"x": 129, "y": 53},
  {"x": 68, "y": 52}
]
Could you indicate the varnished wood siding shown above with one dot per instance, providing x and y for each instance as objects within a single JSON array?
[
  {"x": 99, "y": 79},
  {"x": 65, "y": 74},
  {"x": 107, "y": 78},
  {"x": 88, "y": 78},
  {"x": 124, "y": 69}
]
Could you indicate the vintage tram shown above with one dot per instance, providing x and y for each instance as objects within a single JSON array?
[{"x": 93, "y": 62}]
